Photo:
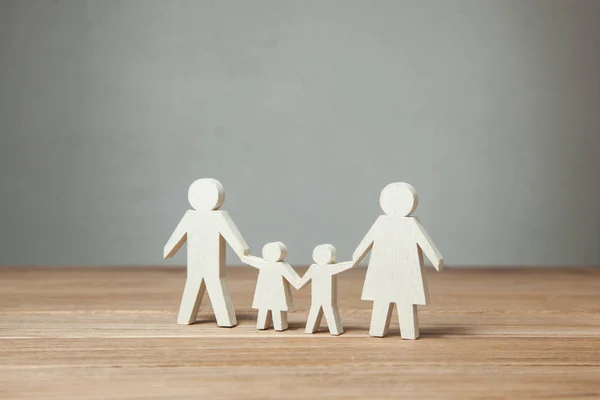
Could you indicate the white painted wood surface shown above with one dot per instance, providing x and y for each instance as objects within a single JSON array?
[
  {"x": 272, "y": 296},
  {"x": 206, "y": 229},
  {"x": 397, "y": 242},
  {"x": 323, "y": 277}
]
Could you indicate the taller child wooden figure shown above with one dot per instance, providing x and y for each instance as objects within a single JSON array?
[
  {"x": 395, "y": 271},
  {"x": 206, "y": 228},
  {"x": 273, "y": 297}
]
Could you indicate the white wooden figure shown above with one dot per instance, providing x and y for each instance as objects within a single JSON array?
[
  {"x": 206, "y": 229},
  {"x": 273, "y": 297},
  {"x": 395, "y": 271},
  {"x": 323, "y": 275}
]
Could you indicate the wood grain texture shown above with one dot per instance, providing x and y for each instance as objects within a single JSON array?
[{"x": 95, "y": 333}]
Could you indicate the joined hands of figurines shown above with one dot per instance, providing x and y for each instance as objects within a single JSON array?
[{"x": 273, "y": 297}]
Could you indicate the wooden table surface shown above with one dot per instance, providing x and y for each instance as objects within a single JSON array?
[{"x": 93, "y": 333}]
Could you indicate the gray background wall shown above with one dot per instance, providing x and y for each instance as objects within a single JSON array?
[{"x": 304, "y": 110}]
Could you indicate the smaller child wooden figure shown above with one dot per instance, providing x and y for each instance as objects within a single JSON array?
[
  {"x": 324, "y": 290},
  {"x": 273, "y": 296}
]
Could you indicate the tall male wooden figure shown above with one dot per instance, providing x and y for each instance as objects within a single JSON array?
[
  {"x": 395, "y": 271},
  {"x": 206, "y": 228}
]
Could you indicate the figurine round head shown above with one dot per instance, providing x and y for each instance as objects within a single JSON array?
[
  {"x": 274, "y": 252},
  {"x": 206, "y": 194},
  {"x": 399, "y": 199},
  {"x": 324, "y": 254}
]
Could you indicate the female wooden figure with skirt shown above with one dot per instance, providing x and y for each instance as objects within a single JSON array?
[{"x": 273, "y": 296}]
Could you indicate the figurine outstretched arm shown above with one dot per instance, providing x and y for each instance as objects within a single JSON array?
[
  {"x": 291, "y": 275},
  {"x": 341, "y": 267},
  {"x": 428, "y": 247},
  {"x": 307, "y": 277},
  {"x": 233, "y": 236},
  {"x": 178, "y": 237},
  {"x": 367, "y": 243},
  {"x": 253, "y": 261}
]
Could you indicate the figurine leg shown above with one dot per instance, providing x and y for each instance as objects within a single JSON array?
[
  {"x": 334, "y": 320},
  {"x": 280, "y": 321},
  {"x": 264, "y": 319},
  {"x": 380, "y": 319},
  {"x": 221, "y": 302},
  {"x": 314, "y": 319},
  {"x": 191, "y": 299},
  {"x": 409, "y": 321}
]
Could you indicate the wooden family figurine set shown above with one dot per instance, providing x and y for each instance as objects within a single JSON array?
[{"x": 396, "y": 240}]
